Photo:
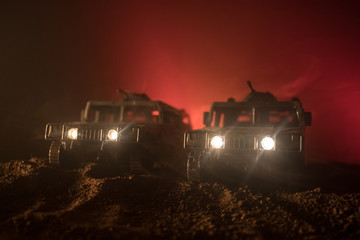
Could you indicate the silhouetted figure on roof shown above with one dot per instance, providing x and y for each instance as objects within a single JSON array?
[{"x": 254, "y": 96}]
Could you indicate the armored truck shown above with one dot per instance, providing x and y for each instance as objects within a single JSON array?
[
  {"x": 255, "y": 136},
  {"x": 132, "y": 134}
]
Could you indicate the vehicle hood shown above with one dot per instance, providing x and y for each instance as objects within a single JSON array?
[
  {"x": 107, "y": 125},
  {"x": 250, "y": 130}
]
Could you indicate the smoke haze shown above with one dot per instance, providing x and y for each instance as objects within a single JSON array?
[{"x": 55, "y": 56}]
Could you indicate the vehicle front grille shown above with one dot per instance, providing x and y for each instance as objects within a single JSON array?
[
  {"x": 240, "y": 142},
  {"x": 89, "y": 134}
]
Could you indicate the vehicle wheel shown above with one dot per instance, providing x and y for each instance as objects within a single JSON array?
[
  {"x": 58, "y": 157},
  {"x": 295, "y": 172},
  {"x": 54, "y": 153},
  {"x": 136, "y": 167},
  {"x": 193, "y": 168}
]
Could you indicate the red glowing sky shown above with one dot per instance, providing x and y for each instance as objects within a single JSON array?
[{"x": 192, "y": 53}]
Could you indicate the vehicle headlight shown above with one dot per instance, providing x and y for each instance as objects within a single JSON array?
[
  {"x": 267, "y": 143},
  {"x": 112, "y": 135},
  {"x": 72, "y": 133},
  {"x": 217, "y": 142}
]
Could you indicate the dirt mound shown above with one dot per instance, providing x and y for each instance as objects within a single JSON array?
[
  {"x": 39, "y": 202},
  {"x": 11, "y": 170}
]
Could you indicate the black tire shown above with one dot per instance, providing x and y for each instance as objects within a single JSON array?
[
  {"x": 136, "y": 165},
  {"x": 54, "y": 153},
  {"x": 193, "y": 168},
  {"x": 59, "y": 157},
  {"x": 295, "y": 172}
]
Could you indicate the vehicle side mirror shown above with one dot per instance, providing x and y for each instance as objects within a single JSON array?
[
  {"x": 307, "y": 118},
  {"x": 206, "y": 119}
]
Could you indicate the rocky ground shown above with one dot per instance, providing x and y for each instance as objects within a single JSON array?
[{"x": 39, "y": 202}]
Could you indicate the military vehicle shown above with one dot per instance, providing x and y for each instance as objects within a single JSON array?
[
  {"x": 132, "y": 134},
  {"x": 259, "y": 135}
]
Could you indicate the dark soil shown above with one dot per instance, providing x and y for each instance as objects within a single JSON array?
[{"x": 39, "y": 202}]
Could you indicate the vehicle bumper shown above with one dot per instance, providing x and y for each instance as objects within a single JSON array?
[
  {"x": 82, "y": 146},
  {"x": 251, "y": 161}
]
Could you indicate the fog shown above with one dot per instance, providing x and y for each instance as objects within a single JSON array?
[{"x": 56, "y": 56}]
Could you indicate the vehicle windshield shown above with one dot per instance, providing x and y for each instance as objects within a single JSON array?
[
  {"x": 259, "y": 116},
  {"x": 140, "y": 114},
  {"x": 123, "y": 113}
]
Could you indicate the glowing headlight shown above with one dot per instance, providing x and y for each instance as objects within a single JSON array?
[
  {"x": 113, "y": 135},
  {"x": 217, "y": 142},
  {"x": 72, "y": 133},
  {"x": 267, "y": 143}
]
